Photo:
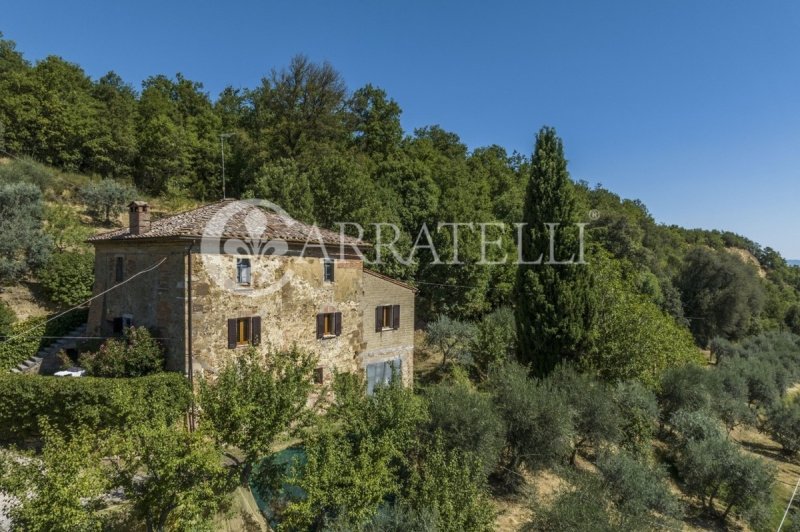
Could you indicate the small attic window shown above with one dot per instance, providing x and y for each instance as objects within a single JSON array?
[{"x": 243, "y": 272}]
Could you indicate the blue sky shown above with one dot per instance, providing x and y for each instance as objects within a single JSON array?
[{"x": 692, "y": 106}]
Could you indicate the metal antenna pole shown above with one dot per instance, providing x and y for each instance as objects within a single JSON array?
[{"x": 222, "y": 138}]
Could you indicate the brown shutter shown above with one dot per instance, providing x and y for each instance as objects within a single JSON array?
[
  {"x": 378, "y": 318},
  {"x": 232, "y": 333},
  {"x": 333, "y": 270},
  {"x": 320, "y": 325},
  {"x": 255, "y": 328},
  {"x": 395, "y": 316},
  {"x": 337, "y": 323}
]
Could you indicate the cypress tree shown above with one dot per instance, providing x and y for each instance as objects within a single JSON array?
[{"x": 554, "y": 307}]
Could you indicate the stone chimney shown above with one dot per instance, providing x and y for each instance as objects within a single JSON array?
[{"x": 139, "y": 215}]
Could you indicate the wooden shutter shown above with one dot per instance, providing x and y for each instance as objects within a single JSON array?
[
  {"x": 232, "y": 333},
  {"x": 378, "y": 318},
  {"x": 337, "y": 323},
  {"x": 395, "y": 316},
  {"x": 320, "y": 326},
  {"x": 255, "y": 328}
]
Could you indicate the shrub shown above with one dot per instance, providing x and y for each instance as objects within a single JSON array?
[
  {"x": 638, "y": 410},
  {"x": 582, "y": 505},
  {"x": 67, "y": 278},
  {"x": 138, "y": 354},
  {"x": 7, "y": 319},
  {"x": 467, "y": 420},
  {"x": 94, "y": 402},
  {"x": 494, "y": 341}
]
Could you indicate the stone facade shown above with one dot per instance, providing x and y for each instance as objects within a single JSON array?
[{"x": 286, "y": 292}]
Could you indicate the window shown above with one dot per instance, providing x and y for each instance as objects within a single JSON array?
[
  {"x": 381, "y": 373},
  {"x": 329, "y": 324},
  {"x": 244, "y": 331},
  {"x": 121, "y": 323},
  {"x": 119, "y": 269},
  {"x": 327, "y": 270},
  {"x": 243, "y": 272},
  {"x": 319, "y": 375},
  {"x": 387, "y": 317}
]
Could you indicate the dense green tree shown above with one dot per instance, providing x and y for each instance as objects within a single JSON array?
[
  {"x": 374, "y": 120},
  {"x": 63, "y": 488},
  {"x": 284, "y": 184},
  {"x": 638, "y": 409},
  {"x": 555, "y": 303},
  {"x": 253, "y": 400},
  {"x": 65, "y": 227},
  {"x": 451, "y": 484},
  {"x": 68, "y": 277},
  {"x": 494, "y": 341},
  {"x": 174, "y": 479},
  {"x": 721, "y": 294},
  {"x": 635, "y": 339},
  {"x": 355, "y": 455},
  {"x": 112, "y": 150},
  {"x": 298, "y": 109},
  {"x": 792, "y": 319}
]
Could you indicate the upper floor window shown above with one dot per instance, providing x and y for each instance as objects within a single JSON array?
[
  {"x": 327, "y": 270},
  {"x": 244, "y": 331},
  {"x": 243, "y": 273},
  {"x": 119, "y": 269},
  {"x": 329, "y": 324},
  {"x": 387, "y": 317}
]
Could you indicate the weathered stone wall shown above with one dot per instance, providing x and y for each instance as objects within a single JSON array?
[
  {"x": 155, "y": 299},
  {"x": 287, "y": 293},
  {"x": 388, "y": 344}
]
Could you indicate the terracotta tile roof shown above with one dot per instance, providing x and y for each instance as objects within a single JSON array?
[
  {"x": 391, "y": 280},
  {"x": 230, "y": 219}
]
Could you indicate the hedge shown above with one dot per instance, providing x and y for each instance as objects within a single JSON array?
[
  {"x": 96, "y": 403},
  {"x": 20, "y": 349}
]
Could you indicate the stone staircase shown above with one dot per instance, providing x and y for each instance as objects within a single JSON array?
[{"x": 33, "y": 364}]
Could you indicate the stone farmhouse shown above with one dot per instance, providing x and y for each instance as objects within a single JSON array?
[{"x": 215, "y": 280}]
